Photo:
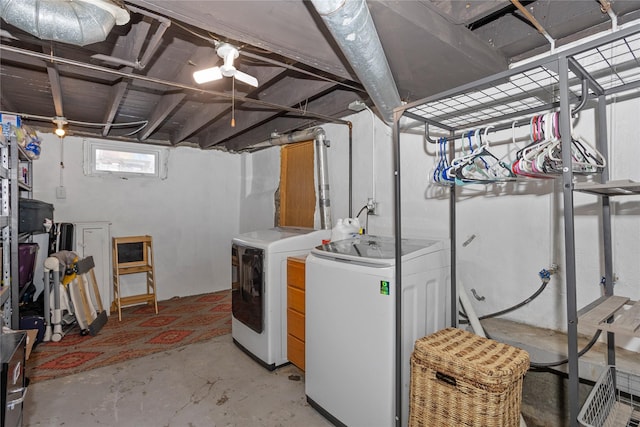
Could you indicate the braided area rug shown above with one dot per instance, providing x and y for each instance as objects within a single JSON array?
[{"x": 180, "y": 321}]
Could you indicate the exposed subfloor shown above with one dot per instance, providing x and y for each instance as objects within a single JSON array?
[{"x": 215, "y": 384}]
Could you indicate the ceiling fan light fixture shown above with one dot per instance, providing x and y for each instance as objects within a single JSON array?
[
  {"x": 207, "y": 75},
  {"x": 228, "y": 53}
]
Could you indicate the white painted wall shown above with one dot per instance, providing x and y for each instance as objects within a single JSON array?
[
  {"x": 511, "y": 231},
  {"x": 192, "y": 215}
]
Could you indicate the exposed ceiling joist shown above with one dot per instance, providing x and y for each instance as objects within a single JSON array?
[
  {"x": 129, "y": 47},
  {"x": 289, "y": 91},
  {"x": 142, "y": 71}
]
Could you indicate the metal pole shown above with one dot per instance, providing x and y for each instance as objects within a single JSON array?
[
  {"x": 398, "y": 278},
  {"x": 569, "y": 240},
  {"x": 351, "y": 170},
  {"x": 603, "y": 147},
  {"x": 452, "y": 237},
  {"x": 13, "y": 195}
]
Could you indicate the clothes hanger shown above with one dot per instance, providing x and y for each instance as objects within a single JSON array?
[
  {"x": 482, "y": 166},
  {"x": 439, "y": 174},
  {"x": 524, "y": 164},
  {"x": 586, "y": 159}
]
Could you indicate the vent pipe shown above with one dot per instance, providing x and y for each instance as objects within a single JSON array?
[
  {"x": 319, "y": 136},
  {"x": 77, "y": 22},
  {"x": 352, "y": 27},
  {"x": 323, "y": 179}
]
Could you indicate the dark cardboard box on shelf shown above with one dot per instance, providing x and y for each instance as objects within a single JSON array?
[{"x": 32, "y": 215}]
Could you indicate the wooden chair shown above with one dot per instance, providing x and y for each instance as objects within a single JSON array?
[{"x": 133, "y": 254}]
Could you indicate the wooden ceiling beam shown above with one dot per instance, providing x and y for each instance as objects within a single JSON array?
[
  {"x": 170, "y": 101},
  {"x": 56, "y": 88},
  {"x": 288, "y": 91},
  {"x": 333, "y": 104},
  {"x": 130, "y": 47},
  {"x": 210, "y": 112}
]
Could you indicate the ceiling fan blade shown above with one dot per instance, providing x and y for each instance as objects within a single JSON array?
[
  {"x": 207, "y": 75},
  {"x": 246, "y": 78}
]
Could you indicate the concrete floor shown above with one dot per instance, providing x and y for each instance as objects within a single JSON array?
[
  {"x": 214, "y": 384},
  {"x": 209, "y": 384}
]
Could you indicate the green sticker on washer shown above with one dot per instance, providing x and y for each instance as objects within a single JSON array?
[{"x": 384, "y": 287}]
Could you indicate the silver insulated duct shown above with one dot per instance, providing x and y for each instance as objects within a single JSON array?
[
  {"x": 352, "y": 27},
  {"x": 78, "y": 22},
  {"x": 319, "y": 136}
]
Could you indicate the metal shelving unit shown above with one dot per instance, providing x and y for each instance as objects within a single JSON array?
[
  {"x": 5, "y": 220},
  {"x": 565, "y": 81}
]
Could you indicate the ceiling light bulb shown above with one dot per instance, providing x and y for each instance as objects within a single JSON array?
[{"x": 60, "y": 122}]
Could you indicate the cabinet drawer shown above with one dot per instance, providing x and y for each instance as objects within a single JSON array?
[
  {"x": 295, "y": 299},
  {"x": 295, "y": 324},
  {"x": 295, "y": 273},
  {"x": 295, "y": 351}
]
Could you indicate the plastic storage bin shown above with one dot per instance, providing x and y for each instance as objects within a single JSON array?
[
  {"x": 614, "y": 401},
  {"x": 461, "y": 379},
  {"x": 27, "y": 253},
  {"x": 32, "y": 215}
]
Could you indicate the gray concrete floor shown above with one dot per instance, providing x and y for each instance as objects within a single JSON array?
[
  {"x": 209, "y": 384},
  {"x": 214, "y": 384}
]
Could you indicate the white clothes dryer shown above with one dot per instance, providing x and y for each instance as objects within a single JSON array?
[{"x": 259, "y": 289}]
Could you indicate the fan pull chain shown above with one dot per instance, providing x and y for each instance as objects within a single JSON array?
[{"x": 233, "y": 94}]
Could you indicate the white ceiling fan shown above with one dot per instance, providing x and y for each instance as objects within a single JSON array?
[{"x": 228, "y": 53}]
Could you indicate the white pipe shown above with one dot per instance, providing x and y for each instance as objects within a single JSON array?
[
  {"x": 474, "y": 321},
  {"x": 373, "y": 154},
  {"x": 471, "y": 313},
  {"x": 323, "y": 180}
]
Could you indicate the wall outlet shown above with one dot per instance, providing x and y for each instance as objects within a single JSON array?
[
  {"x": 372, "y": 206},
  {"x": 61, "y": 192}
]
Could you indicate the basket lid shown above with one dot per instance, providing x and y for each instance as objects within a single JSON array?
[{"x": 480, "y": 360}]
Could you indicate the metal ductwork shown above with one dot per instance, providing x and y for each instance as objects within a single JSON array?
[
  {"x": 352, "y": 27},
  {"x": 323, "y": 179},
  {"x": 319, "y": 136},
  {"x": 77, "y": 22}
]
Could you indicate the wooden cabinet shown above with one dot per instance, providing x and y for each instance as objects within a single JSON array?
[{"x": 295, "y": 310}]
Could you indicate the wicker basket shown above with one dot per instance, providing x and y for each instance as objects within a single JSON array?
[{"x": 461, "y": 379}]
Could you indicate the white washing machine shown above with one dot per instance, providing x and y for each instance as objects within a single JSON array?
[
  {"x": 259, "y": 289},
  {"x": 350, "y": 323}
]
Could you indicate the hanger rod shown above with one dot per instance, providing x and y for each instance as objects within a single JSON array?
[{"x": 502, "y": 126}]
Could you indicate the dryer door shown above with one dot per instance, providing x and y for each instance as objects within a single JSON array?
[{"x": 247, "y": 297}]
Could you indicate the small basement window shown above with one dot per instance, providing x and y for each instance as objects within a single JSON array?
[{"x": 124, "y": 160}]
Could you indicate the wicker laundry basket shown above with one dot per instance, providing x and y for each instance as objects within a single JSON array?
[{"x": 462, "y": 379}]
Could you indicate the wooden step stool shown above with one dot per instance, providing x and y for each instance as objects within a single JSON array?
[{"x": 133, "y": 254}]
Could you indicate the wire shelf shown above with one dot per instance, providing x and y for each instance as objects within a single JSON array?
[
  {"x": 610, "y": 65},
  {"x": 503, "y": 102},
  {"x": 614, "y": 64},
  {"x": 613, "y": 402}
]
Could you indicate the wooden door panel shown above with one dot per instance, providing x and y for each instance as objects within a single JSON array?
[{"x": 297, "y": 193}]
